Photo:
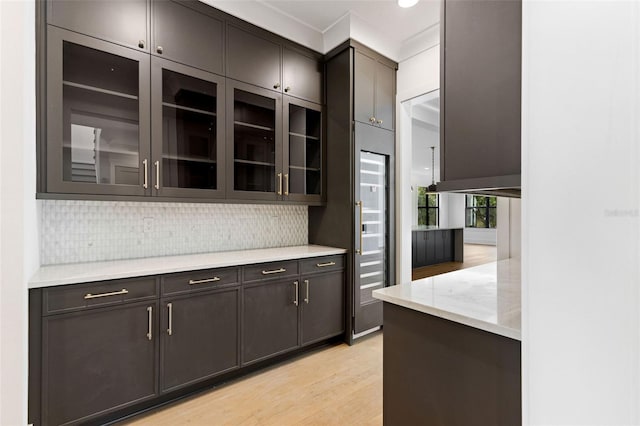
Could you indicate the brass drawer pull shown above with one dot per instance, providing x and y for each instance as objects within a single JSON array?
[
  {"x": 274, "y": 271},
  {"x": 322, "y": 265},
  {"x": 208, "y": 280},
  {"x": 113, "y": 293}
]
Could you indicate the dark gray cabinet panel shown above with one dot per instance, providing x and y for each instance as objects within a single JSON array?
[
  {"x": 414, "y": 250},
  {"x": 374, "y": 91},
  {"x": 199, "y": 337},
  {"x": 188, "y": 128},
  {"x": 436, "y": 246},
  {"x": 269, "y": 319},
  {"x": 385, "y": 96},
  {"x": 98, "y": 361},
  {"x": 253, "y": 59},
  {"x": 187, "y": 36},
  {"x": 421, "y": 248},
  {"x": 302, "y": 76},
  {"x": 98, "y": 122},
  {"x": 322, "y": 306},
  {"x": 481, "y": 91},
  {"x": 125, "y": 23},
  {"x": 364, "y": 88}
]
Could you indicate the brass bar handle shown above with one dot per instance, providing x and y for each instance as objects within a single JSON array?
[
  {"x": 170, "y": 327},
  {"x": 157, "y": 164},
  {"x": 286, "y": 184},
  {"x": 150, "y": 313},
  {"x": 295, "y": 301},
  {"x": 145, "y": 162},
  {"x": 208, "y": 280},
  {"x": 359, "y": 250},
  {"x": 322, "y": 265},
  {"x": 113, "y": 293},
  {"x": 279, "y": 183},
  {"x": 306, "y": 299},
  {"x": 274, "y": 271}
]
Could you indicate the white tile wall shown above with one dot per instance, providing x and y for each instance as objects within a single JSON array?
[{"x": 86, "y": 231}]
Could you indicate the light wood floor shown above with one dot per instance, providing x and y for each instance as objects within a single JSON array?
[
  {"x": 338, "y": 385},
  {"x": 474, "y": 255}
]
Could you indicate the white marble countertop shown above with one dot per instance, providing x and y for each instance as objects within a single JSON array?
[
  {"x": 486, "y": 297},
  {"x": 73, "y": 273}
]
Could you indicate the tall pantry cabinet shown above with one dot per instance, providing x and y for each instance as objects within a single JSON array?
[{"x": 360, "y": 214}]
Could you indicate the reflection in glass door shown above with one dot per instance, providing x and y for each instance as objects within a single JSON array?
[
  {"x": 303, "y": 151},
  {"x": 371, "y": 266}
]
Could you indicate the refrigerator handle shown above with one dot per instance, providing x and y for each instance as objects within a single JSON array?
[{"x": 359, "y": 250}]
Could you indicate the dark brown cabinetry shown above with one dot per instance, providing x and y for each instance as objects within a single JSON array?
[
  {"x": 374, "y": 91},
  {"x": 97, "y": 116},
  {"x": 188, "y": 36},
  {"x": 302, "y": 76},
  {"x": 126, "y": 24},
  {"x": 103, "y": 350},
  {"x": 434, "y": 246},
  {"x": 188, "y": 149},
  {"x": 253, "y": 59},
  {"x": 481, "y": 90}
]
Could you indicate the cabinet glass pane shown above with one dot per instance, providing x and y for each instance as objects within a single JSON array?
[
  {"x": 254, "y": 155},
  {"x": 373, "y": 193},
  {"x": 101, "y": 139},
  {"x": 305, "y": 150},
  {"x": 189, "y": 127}
]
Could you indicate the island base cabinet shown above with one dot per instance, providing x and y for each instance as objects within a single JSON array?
[
  {"x": 98, "y": 361},
  {"x": 199, "y": 337},
  {"x": 322, "y": 307},
  {"x": 441, "y": 373},
  {"x": 269, "y": 319}
]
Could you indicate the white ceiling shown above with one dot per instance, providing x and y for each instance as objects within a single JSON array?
[
  {"x": 385, "y": 16},
  {"x": 323, "y": 24}
]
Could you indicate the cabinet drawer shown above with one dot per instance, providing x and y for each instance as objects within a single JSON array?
[
  {"x": 264, "y": 271},
  {"x": 83, "y": 296},
  {"x": 321, "y": 264},
  {"x": 199, "y": 280}
]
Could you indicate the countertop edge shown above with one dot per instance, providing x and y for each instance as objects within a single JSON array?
[
  {"x": 451, "y": 316},
  {"x": 183, "y": 263}
]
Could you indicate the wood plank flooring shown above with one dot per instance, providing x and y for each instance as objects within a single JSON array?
[
  {"x": 474, "y": 255},
  {"x": 338, "y": 385}
]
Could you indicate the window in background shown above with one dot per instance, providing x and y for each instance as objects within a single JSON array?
[
  {"x": 427, "y": 208},
  {"x": 480, "y": 211}
]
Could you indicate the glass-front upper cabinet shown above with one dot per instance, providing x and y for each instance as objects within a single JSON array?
[
  {"x": 97, "y": 116},
  {"x": 187, "y": 116},
  {"x": 303, "y": 150},
  {"x": 254, "y": 119}
]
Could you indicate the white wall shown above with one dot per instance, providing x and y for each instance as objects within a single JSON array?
[
  {"x": 417, "y": 75},
  {"x": 581, "y": 143},
  {"x": 18, "y": 209}
]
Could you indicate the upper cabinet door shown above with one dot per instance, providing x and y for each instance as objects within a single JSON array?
[
  {"x": 187, "y": 114},
  {"x": 125, "y": 22},
  {"x": 187, "y": 36},
  {"x": 364, "y": 88},
  {"x": 302, "y": 76},
  {"x": 303, "y": 151},
  {"x": 253, "y": 59},
  {"x": 97, "y": 116},
  {"x": 385, "y": 95},
  {"x": 254, "y": 138}
]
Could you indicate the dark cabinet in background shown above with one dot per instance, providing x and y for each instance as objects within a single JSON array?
[
  {"x": 480, "y": 83},
  {"x": 430, "y": 247},
  {"x": 97, "y": 361},
  {"x": 374, "y": 91},
  {"x": 125, "y": 24},
  {"x": 187, "y": 116},
  {"x": 188, "y": 36}
]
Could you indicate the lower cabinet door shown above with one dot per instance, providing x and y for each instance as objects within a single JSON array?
[
  {"x": 322, "y": 306},
  {"x": 97, "y": 361},
  {"x": 199, "y": 337},
  {"x": 270, "y": 319}
]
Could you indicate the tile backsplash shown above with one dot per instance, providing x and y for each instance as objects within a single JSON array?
[{"x": 86, "y": 231}]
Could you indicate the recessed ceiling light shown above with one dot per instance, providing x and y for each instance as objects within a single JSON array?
[
  {"x": 426, "y": 168},
  {"x": 407, "y": 3}
]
